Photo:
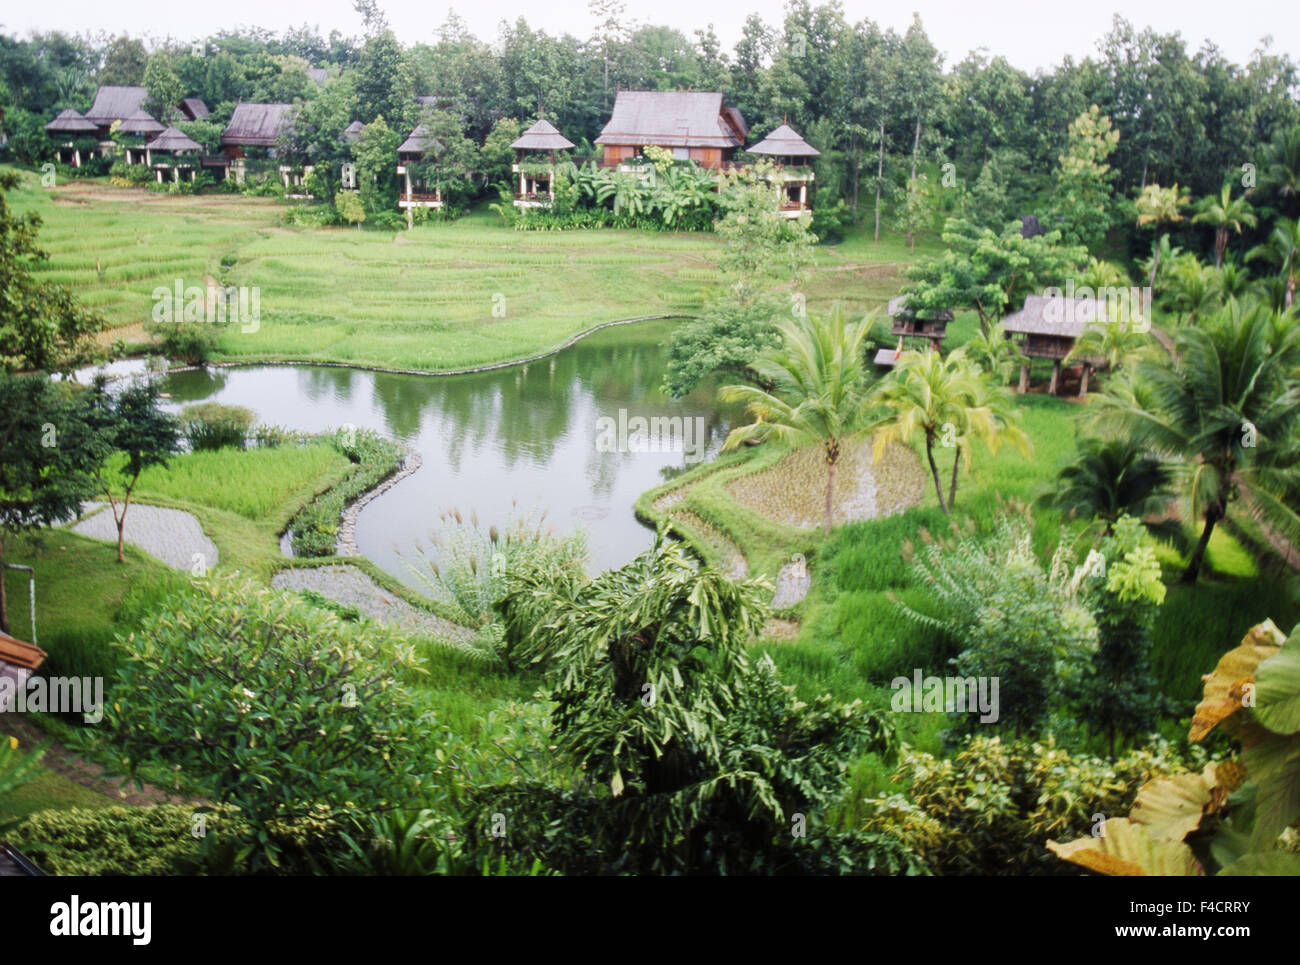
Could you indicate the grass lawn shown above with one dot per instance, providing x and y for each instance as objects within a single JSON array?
[{"x": 443, "y": 295}]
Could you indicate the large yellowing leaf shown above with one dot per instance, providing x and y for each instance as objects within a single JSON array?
[
  {"x": 1128, "y": 849},
  {"x": 1224, "y": 686},
  {"x": 1172, "y": 807}
]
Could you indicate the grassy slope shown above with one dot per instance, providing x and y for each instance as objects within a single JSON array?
[{"x": 441, "y": 296}]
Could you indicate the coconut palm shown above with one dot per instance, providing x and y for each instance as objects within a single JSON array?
[
  {"x": 1157, "y": 206},
  {"x": 818, "y": 391},
  {"x": 996, "y": 354},
  {"x": 1162, "y": 251},
  {"x": 1110, "y": 478},
  {"x": 1112, "y": 340},
  {"x": 1282, "y": 248},
  {"x": 1187, "y": 291},
  {"x": 1229, "y": 280},
  {"x": 1224, "y": 214},
  {"x": 1223, "y": 407},
  {"x": 1279, "y": 179},
  {"x": 949, "y": 401}
]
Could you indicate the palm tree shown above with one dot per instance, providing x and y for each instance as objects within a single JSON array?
[
  {"x": 818, "y": 391},
  {"x": 1157, "y": 206},
  {"x": 1224, "y": 213},
  {"x": 1279, "y": 181},
  {"x": 949, "y": 401},
  {"x": 1282, "y": 248},
  {"x": 1110, "y": 478},
  {"x": 1187, "y": 292},
  {"x": 996, "y": 354},
  {"x": 1111, "y": 340},
  {"x": 1223, "y": 406}
]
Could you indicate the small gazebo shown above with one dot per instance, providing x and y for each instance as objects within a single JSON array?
[
  {"x": 415, "y": 193},
  {"x": 794, "y": 173},
  {"x": 174, "y": 151},
  {"x": 534, "y": 166},
  {"x": 72, "y": 126},
  {"x": 927, "y": 323},
  {"x": 1048, "y": 326},
  {"x": 142, "y": 128}
]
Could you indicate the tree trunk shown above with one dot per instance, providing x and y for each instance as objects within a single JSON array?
[
  {"x": 1220, "y": 246},
  {"x": 1155, "y": 263},
  {"x": 916, "y": 146},
  {"x": 880, "y": 175},
  {"x": 934, "y": 470},
  {"x": 1212, "y": 515},
  {"x": 4, "y": 602},
  {"x": 830, "y": 489},
  {"x": 952, "y": 488}
]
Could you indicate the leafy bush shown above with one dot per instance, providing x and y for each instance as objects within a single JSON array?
[
  {"x": 314, "y": 529},
  {"x": 117, "y": 840},
  {"x": 472, "y": 570},
  {"x": 272, "y": 706},
  {"x": 130, "y": 175},
  {"x": 191, "y": 343},
  {"x": 686, "y": 758},
  {"x": 992, "y": 807},
  {"x": 211, "y": 425}
]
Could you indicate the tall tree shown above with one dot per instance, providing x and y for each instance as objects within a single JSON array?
[
  {"x": 1225, "y": 214},
  {"x": 1223, "y": 406},
  {"x": 818, "y": 391},
  {"x": 136, "y": 435},
  {"x": 48, "y": 452}
]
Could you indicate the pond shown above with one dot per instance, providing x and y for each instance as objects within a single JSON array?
[{"x": 557, "y": 435}]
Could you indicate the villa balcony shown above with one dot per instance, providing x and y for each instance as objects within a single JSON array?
[{"x": 419, "y": 199}]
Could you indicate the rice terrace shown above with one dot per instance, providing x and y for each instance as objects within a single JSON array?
[{"x": 792, "y": 444}]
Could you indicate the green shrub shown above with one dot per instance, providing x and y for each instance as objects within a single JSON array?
[
  {"x": 992, "y": 807},
  {"x": 191, "y": 343},
  {"x": 211, "y": 425},
  {"x": 314, "y": 530},
  {"x": 116, "y": 840}
]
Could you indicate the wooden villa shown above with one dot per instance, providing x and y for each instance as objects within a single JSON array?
[
  {"x": 114, "y": 103},
  {"x": 194, "y": 109},
  {"x": 415, "y": 192},
  {"x": 18, "y": 660},
  {"x": 694, "y": 125},
  {"x": 534, "y": 167},
  {"x": 794, "y": 173},
  {"x": 172, "y": 151},
  {"x": 254, "y": 132},
  {"x": 69, "y": 128},
  {"x": 929, "y": 324},
  {"x": 141, "y": 128},
  {"x": 1048, "y": 327}
]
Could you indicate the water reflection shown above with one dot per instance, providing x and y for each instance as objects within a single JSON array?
[{"x": 525, "y": 434}]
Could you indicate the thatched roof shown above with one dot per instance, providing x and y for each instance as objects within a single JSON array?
[
  {"x": 784, "y": 142},
  {"x": 257, "y": 125},
  {"x": 70, "y": 122},
  {"x": 542, "y": 136},
  {"x": 419, "y": 141},
  {"x": 195, "y": 109},
  {"x": 1061, "y": 317},
  {"x": 173, "y": 140},
  {"x": 318, "y": 75},
  {"x": 115, "y": 104},
  {"x": 141, "y": 123},
  {"x": 352, "y": 133},
  {"x": 17, "y": 653},
  {"x": 898, "y": 309},
  {"x": 670, "y": 118}
]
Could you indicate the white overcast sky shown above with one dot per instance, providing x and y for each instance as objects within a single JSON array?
[{"x": 1029, "y": 33}]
